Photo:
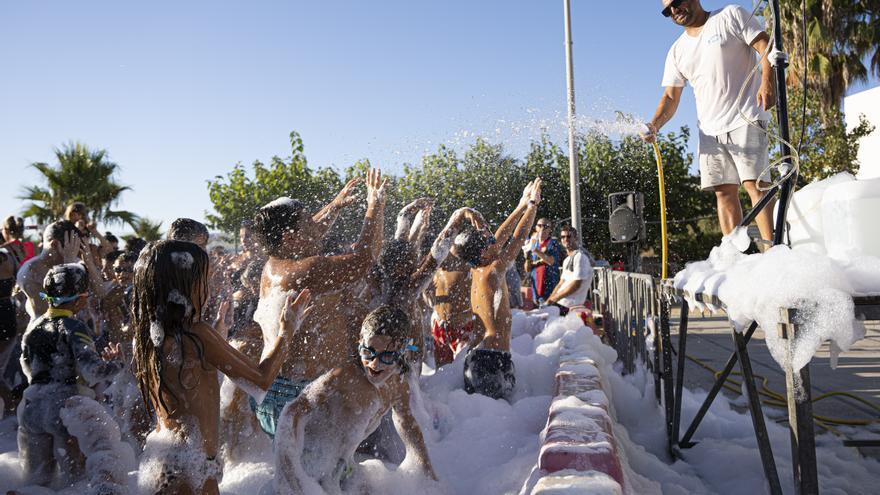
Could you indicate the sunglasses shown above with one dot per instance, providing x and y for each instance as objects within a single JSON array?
[
  {"x": 119, "y": 269},
  {"x": 384, "y": 357},
  {"x": 542, "y": 225},
  {"x": 675, "y": 4},
  {"x": 565, "y": 237}
]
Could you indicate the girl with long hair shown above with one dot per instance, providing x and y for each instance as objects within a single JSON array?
[{"x": 177, "y": 357}]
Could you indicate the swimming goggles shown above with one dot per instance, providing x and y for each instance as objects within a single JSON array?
[{"x": 384, "y": 357}]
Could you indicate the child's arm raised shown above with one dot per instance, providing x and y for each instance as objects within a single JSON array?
[{"x": 236, "y": 365}]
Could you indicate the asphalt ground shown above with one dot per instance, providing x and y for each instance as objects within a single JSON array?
[{"x": 857, "y": 373}]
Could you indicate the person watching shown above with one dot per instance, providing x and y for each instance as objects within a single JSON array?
[
  {"x": 13, "y": 239},
  {"x": 542, "y": 261},
  {"x": 716, "y": 54},
  {"x": 577, "y": 274}
]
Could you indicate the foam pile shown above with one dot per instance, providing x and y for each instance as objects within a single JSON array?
[{"x": 756, "y": 287}]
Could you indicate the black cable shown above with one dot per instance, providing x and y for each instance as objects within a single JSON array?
[{"x": 804, "y": 77}]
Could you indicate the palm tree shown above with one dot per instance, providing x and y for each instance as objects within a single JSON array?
[
  {"x": 82, "y": 174},
  {"x": 842, "y": 36},
  {"x": 146, "y": 229}
]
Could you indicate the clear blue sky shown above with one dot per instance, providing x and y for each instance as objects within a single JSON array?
[{"x": 178, "y": 92}]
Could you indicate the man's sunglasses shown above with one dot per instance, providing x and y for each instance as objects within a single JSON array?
[
  {"x": 675, "y": 4},
  {"x": 119, "y": 269},
  {"x": 384, "y": 357},
  {"x": 542, "y": 225}
]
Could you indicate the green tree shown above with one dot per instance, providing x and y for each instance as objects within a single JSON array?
[
  {"x": 147, "y": 229},
  {"x": 842, "y": 35},
  {"x": 237, "y": 196},
  {"x": 828, "y": 147},
  {"x": 82, "y": 174}
]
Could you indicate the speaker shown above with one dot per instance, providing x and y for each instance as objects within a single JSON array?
[{"x": 625, "y": 220}]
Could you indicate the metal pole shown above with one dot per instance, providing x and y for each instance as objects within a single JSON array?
[
  {"x": 574, "y": 173},
  {"x": 787, "y": 187}
]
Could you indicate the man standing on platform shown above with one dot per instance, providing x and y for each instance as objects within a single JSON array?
[{"x": 716, "y": 54}]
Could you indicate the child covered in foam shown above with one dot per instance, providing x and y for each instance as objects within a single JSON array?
[
  {"x": 319, "y": 432},
  {"x": 60, "y": 362},
  {"x": 177, "y": 357}
]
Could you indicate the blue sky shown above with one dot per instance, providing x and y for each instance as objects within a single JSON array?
[{"x": 179, "y": 92}]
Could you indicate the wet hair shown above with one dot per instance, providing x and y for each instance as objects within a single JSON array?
[
  {"x": 395, "y": 264},
  {"x": 274, "y": 219},
  {"x": 471, "y": 245},
  {"x": 170, "y": 290},
  {"x": 14, "y": 225},
  {"x": 187, "y": 229},
  {"x": 135, "y": 245},
  {"x": 127, "y": 257},
  {"x": 63, "y": 283},
  {"x": 57, "y": 231},
  {"x": 113, "y": 255},
  {"x": 393, "y": 322},
  {"x": 111, "y": 238},
  {"x": 76, "y": 207}
]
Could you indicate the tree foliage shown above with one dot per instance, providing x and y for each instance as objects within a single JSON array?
[
  {"x": 237, "y": 196},
  {"x": 484, "y": 176},
  {"x": 841, "y": 36},
  {"x": 147, "y": 229},
  {"x": 82, "y": 174}
]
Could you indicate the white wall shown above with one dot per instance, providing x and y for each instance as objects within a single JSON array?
[{"x": 868, "y": 103}]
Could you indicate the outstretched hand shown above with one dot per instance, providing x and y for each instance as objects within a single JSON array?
[
  {"x": 112, "y": 352},
  {"x": 376, "y": 185},
  {"x": 346, "y": 195},
  {"x": 536, "y": 191},
  {"x": 649, "y": 135},
  {"x": 527, "y": 194},
  {"x": 295, "y": 312},
  {"x": 70, "y": 250},
  {"x": 224, "y": 318}
]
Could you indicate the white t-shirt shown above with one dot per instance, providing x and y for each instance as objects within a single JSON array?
[
  {"x": 576, "y": 267},
  {"x": 716, "y": 63}
]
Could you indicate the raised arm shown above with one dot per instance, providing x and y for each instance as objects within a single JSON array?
[
  {"x": 442, "y": 245},
  {"x": 326, "y": 216},
  {"x": 505, "y": 230},
  {"x": 524, "y": 226},
  {"x": 326, "y": 273},
  {"x": 232, "y": 363},
  {"x": 406, "y": 218}
]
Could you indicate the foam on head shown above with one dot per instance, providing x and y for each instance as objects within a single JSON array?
[{"x": 276, "y": 218}]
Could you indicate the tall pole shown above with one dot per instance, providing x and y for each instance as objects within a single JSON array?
[
  {"x": 574, "y": 173},
  {"x": 787, "y": 187}
]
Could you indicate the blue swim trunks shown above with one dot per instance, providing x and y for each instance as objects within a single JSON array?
[{"x": 282, "y": 391}]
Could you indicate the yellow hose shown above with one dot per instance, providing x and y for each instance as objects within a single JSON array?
[{"x": 665, "y": 248}]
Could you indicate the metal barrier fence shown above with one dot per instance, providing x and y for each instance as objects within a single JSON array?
[{"x": 630, "y": 307}]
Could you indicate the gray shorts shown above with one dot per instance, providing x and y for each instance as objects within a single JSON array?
[{"x": 733, "y": 157}]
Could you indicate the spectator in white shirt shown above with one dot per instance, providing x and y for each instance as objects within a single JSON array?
[{"x": 577, "y": 274}]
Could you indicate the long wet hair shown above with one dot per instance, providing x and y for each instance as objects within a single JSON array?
[
  {"x": 170, "y": 290},
  {"x": 393, "y": 269}
]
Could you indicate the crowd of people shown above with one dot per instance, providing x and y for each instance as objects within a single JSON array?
[{"x": 190, "y": 351}]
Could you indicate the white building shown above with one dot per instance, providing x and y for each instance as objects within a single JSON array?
[{"x": 866, "y": 103}]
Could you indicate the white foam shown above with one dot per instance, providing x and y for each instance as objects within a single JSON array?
[{"x": 182, "y": 260}]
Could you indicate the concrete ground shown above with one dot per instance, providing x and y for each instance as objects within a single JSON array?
[{"x": 858, "y": 373}]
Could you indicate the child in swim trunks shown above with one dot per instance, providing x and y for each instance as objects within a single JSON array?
[{"x": 177, "y": 357}]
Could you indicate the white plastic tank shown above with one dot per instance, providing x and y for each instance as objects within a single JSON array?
[
  {"x": 804, "y": 217},
  {"x": 851, "y": 219}
]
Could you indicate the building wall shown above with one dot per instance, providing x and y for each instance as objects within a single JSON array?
[{"x": 868, "y": 103}]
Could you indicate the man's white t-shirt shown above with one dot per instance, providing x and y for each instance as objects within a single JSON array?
[
  {"x": 577, "y": 267},
  {"x": 716, "y": 63}
]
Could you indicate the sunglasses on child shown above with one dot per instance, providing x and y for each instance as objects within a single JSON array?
[
  {"x": 384, "y": 357},
  {"x": 674, "y": 4}
]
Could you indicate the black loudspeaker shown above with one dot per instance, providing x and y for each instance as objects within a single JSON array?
[{"x": 625, "y": 220}]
